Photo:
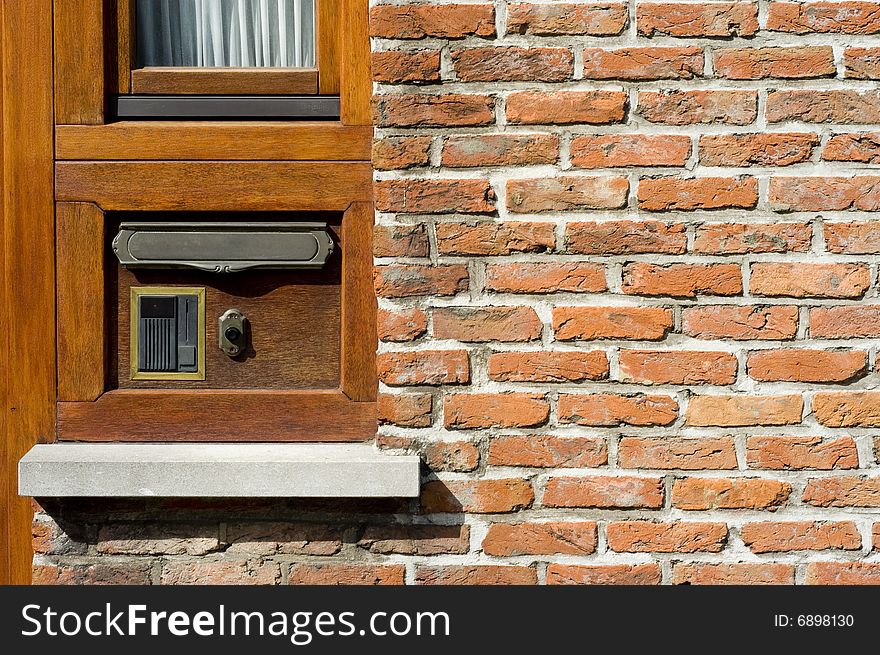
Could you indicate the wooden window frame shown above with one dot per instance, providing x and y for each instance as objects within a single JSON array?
[{"x": 323, "y": 78}]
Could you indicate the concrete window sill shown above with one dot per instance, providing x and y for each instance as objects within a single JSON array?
[{"x": 216, "y": 470}]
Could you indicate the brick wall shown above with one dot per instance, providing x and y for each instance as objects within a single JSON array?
[{"x": 627, "y": 278}]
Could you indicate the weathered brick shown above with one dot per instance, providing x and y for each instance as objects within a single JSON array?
[
  {"x": 494, "y": 238},
  {"x": 682, "y": 280},
  {"x": 400, "y": 152},
  {"x": 758, "y": 149},
  {"x": 736, "y": 411},
  {"x": 545, "y": 277},
  {"x": 844, "y": 491},
  {"x": 400, "y": 240},
  {"x": 616, "y": 150},
  {"x": 435, "y": 196},
  {"x": 566, "y": 107},
  {"x": 735, "y": 239},
  {"x": 548, "y": 451},
  {"x": 547, "y": 366},
  {"x": 863, "y": 147},
  {"x": 727, "y": 493},
  {"x": 286, "y": 538},
  {"x": 490, "y": 496},
  {"x": 446, "y": 21},
  {"x": 346, "y": 574},
  {"x": 643, "y": 64},
  {"x": 552, "y": 538},
  {"x": 707, "y": 19},
  {"x": 825, "y": 193},
  {"x": 807, "y": 365},
  {"x": 100, "y": 573},
  {"x": 481, "y": 324},
  {"x": 566, "y": 194},
  {"x": 847, "y": 409},
  {"x": 732, "y": 573},
  {"x": 513, "y": 64},
  {"x": 557, "y": 19},
  {"x": 825, "y": 17},
  {"x": 798, "y": 62},
  {"x": 809, "y": 280},
  {"x": 402, "y": 280},
  {"x": 401, "y": 67},
  {"x": 673, "y": 107},
  {"x": 798, "y": 453},
  {"x": 499, "y": 150},
  {"x": 458, "y": 456},
  {"x": 416, "y": 539},
  {"x": 609, "y": 410},
  {"x": 601, "y": 492},
  {"x": 862, "y": 63},
  {"x": 852, "y": 238},
  {"x": 424, "y": 110},
  {"x": 503, "y": 410},
  {"x": 772, "y": 537},
  {"x": 680, "y": 537},
  {"x": 150, "y": 539},
  {"x": 220, "y": 572},
  {"x": 676, "y": 194},
  {"x": 671, "y": 367},
  {"x": 613, "y": 574},
  {"x": 683, "y": 453},
  {"x": 476, "y": 575},
  {"x": 424, "y": 367},
  {"x": 842, "y": 573},
  {"x": 740, "y": 322},
  {"x": 401, "y": 325},
  {"x": 588, "y": 323},
  {"x": 845, "y": 322},
  {"x": 625, "y": 238},
  {"x": 406, "y": 410},
  {"x": 831, "y": 106}
]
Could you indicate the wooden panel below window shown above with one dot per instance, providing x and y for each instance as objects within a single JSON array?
[{"x": 181, "y": 80}]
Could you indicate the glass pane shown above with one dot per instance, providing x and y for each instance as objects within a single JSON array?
[{"x": 235, "y": 33}]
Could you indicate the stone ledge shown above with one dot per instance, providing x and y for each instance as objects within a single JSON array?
[{"x": 216, "y": 470}]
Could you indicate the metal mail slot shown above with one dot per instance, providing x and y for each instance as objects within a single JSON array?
[{"x": 223, "y": 247}]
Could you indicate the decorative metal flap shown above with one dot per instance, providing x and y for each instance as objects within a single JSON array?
[{"x": 223, "y": 247}]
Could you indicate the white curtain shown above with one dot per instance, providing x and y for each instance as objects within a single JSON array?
[{"x": 237, "y": 33}]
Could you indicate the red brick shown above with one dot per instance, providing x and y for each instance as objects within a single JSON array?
[
  {"x": 832, "y": 106},
  {"x": 476, "y": 496},
  {"x": 757, "y": 149},
  {"x": 727, "y": 493},
  {"x": 400, "y": 241},
  {"x": 676, "y": 194},
  {"x": 556, "y": 538},
  {"x": 809, "y": 280},
  {"x": 683, "y": 453},
  {"x": 643, "y": 64},
  {"x": 502, "y": 410},
  {"x": 740, "y": 322},
  {"x": 264, "y": 538},
  {"x": 742, "y": 411},
  {"x": 844, "y": 491},
  {"x": 548, "y": 366},
  {"x": 99, "y": 573},
  {"x": 618, "y": 492},
  {"x": 424, "y": 110},
  {"x": 609, "y": 410},
  {"x": 712, "y": 19},
  {"x": 150, "y": 539},
  {"x": 447, "y": 21},
  {"x": 428, "y": 367},
  {"x": 401, "y": 325},
  {"x": 494, "y": 238},
  {"x": 458, "y": 456},
  {"x": 670, "y": 367},
  {"x": 602, "y": 19},
  {"x": 556, "y": 194},
  {"x": 400, "y": 152},
  {"x": 613, "y": 150},
  {"x": 481, "y": 324},
  {"x": 798, "y": 62},
  {"x": 699, "y": 107},
  {"x": 733, "y": 573},
  {"x": 863, "y": 148},
  {"x": 513, "y": 64},
  {"x": 416, "y": 539},
  {"x": 566, "y": 107},
  {"x": 682, "y": 280},
  {"x": 825, "y": 193},
  {"x": 807, "y": 365},
  {"x": 548, "y": 451},
  {"x": 625, "y": 238},
  {"x": 220, "y": 572},
  {"x": 799, "y": 453},
  {"x": 406, "y": 410},
  {"x": 406, "y": 66},
  {"x": 545, "y": 277},
  {"x": 476, "y": 575},
  {"x": 730, "y": 239},
  {"x": 346, "y": 574},
  {"x": 824, "y": 17},
  {"x": 770, "y": 537},
  {"x": 404, "y": 280},
  {"x": 842, "y": 573},
  {"x": 680, "y": 537},
  {"x": 587, "y": 323},
  {"x": 614, "y": 574},
  {"x": 847, "y": 409},
  {"x": 435, "y": 196},
  {"x": 862, "y": 63},
  {"x": 845, "y": 322},
  {"x": 500, "y": 150},
  {"x": 852, "y": 238}
]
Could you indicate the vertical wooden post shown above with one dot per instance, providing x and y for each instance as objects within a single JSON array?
[
  {"x": 28, "y": 300},
  {"x": 356, "y": 79}
]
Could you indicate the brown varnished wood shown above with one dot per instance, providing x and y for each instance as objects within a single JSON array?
[
  {"x": 327, "y": 46},
  {"x": 359, "y": 379},
  {"x": 82, "y": 339},
  {"x": 7, "y": 513},
  {"x": 293, "y": 316},
  {"x": 356, "y": 81},
  {"x": 178, "y": 80},
  {"x": 219, "y": 140},
  {"x": 124, "y": 44},
  {"x": 29, "y": 260},
  {"x": 79, "y": 62},
  {"x": 218, "y": 416},
  {"x": 214, "y": 186}
]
